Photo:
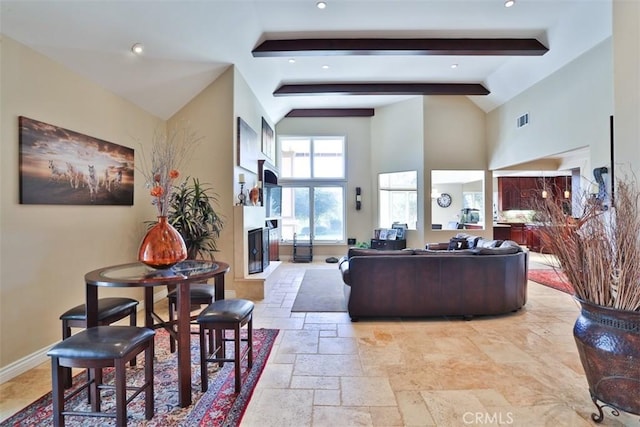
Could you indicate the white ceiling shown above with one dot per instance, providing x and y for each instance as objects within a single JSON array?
[{"x": 188, "y": 44}]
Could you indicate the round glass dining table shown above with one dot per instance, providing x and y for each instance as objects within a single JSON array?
[{"x": 179, "y": 276}]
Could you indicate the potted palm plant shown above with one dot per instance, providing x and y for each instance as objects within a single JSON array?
[
  {"x": 192, "y": 213},
  {"x": 599, "y": 252}
]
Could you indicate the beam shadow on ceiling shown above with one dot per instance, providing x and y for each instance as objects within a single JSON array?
[
  {"x": 377, "y": 46},
  {"x": 382, "y": 89},
  {"x": 331, "y": 112}
]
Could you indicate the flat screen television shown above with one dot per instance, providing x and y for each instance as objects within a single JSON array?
[{"x": 273, "y": 200}]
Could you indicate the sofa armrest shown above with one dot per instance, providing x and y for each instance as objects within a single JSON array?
[{"x": 344, "y": 269}]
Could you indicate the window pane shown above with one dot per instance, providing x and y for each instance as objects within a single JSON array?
[
  {"x": 328, "y": 158},
  {"x": 399, "y": 180},
  {"x": 296, "y": 158},
  {"x": 398, "y": 197},
  {"x": 295, "y": 212},
  {"x": 328, "y": 211},
  {"x": 312, "y": 176}
]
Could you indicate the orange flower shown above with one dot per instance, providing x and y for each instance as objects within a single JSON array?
[
  {"x": 157, "y": 191},
  {"x": 173, "y": 173}
]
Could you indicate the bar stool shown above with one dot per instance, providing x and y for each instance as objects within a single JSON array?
[
  {"x": 97, "y": 348},
  {"x": 200, "y": 294},
  {"x": 110, "y": 310},
  {"x": 218, "y": 317}
]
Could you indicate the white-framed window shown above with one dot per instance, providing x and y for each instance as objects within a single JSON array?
[
  {"x": 313, "y": 179},
  {"x": 398, "y": 199}
]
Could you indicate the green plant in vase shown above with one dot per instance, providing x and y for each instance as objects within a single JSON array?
[{"x": 192, "y": 212}]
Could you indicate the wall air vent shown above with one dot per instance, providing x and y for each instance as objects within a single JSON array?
[{"x": 523, "y": 120}]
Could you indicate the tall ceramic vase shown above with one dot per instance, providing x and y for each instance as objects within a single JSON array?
[
  {"x": 608, "y": 342},
  {"x": 162, "y": 246}
]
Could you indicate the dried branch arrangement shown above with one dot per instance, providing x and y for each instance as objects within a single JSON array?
[{"x": 599, "y": 251}]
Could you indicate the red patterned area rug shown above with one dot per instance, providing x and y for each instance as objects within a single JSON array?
[
  {"x": 551, "y": 278},
  {"x": 219, "y": 406}
]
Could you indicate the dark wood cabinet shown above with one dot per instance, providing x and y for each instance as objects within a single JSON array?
[
  {"x": 268, "y": 174},
  {"x": 518, "y": 233},
  {"x": 508, "y": 194},
  {"x": 534, "y": 242},
  {"x": 525, "y": 193},
  {"x": 501, "y": 232},
  {"x": 388, "y": 244},
  {"x": 274, "y": 240}
]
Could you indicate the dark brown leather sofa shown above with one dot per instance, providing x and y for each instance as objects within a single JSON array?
[{"x": 426, "y": 283}]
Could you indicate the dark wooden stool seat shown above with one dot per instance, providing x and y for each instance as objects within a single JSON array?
[
  {"x": 110, "y": 310},
  {"x": 220, "y": 316},
  {"x": 200, "y": 294},
  {"x": 97, "y": 348}
]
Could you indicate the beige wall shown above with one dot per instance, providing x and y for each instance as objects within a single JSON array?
[
  {"x": 45, "y": 250},
  {"x": 626, "y": 48},
  {"x": 454, "y": 139},
  {"x": 397, "y": 144},
  {"x": 210, "y": 113},
  {"x": 568, "y": 110}
]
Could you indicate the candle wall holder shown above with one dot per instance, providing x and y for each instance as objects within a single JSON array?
[{"x": 242, "y": 197}]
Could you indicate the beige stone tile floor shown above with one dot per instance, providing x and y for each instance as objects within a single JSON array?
[{"x": 520, "y": 369}]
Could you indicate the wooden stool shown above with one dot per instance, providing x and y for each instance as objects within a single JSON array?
[
  {"x": 220, "y": 316},
  {"x": 110, "y": 310},
  {"x": 200, "y": 294},
  {"x": 97, "y": 348}
]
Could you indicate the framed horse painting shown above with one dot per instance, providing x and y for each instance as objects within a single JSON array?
[{"x": 62, "y": 167}]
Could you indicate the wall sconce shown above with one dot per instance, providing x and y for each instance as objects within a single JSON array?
[
  {"x": 567, "y": 193},
  {"x": 545, "y": 193},
  {"x": 358, "y": 198}
]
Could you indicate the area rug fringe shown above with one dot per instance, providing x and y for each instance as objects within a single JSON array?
[{"x": 219, "y": 406}]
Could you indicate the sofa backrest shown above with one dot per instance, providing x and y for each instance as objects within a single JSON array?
[{"x": 437, "y": 284}]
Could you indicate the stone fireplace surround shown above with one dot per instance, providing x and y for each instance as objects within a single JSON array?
[{"x": 249, "y": 282}]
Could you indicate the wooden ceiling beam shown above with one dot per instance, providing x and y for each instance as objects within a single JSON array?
[
  {"x": 378, "y": 46},
  {"x": 331, "y": 112},
  {"x": 381, "y": 89}
]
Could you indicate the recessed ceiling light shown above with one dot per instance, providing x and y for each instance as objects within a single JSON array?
[
  {"x": 292, "y": 60},
  {"x": 509, "y": 3},
  {"x": 321, "y": 5},
  {"x": 137, "y": 48},
  {"x": 454, "y": 66},
  {"x": 325, "y": 67}
]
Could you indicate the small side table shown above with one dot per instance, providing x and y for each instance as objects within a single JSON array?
[{"x": 388, "y": 245}]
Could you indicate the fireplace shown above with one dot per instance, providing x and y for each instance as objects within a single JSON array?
[{"x": 258, "y": 245}]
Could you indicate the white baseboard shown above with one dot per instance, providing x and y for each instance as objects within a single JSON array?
[{"x": 39, "y": 357}]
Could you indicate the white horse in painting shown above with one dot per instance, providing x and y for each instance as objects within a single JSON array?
[
  {"x": 92, "y": 182},
  {"x": 56, "y": 173},
  {"x": 112, "y": 179},
  {"x": 75, "y": 176}
]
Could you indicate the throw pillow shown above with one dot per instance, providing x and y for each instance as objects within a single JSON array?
[
  {"x": 458, "y": 243},
  {"x": 488, "y": 243}
]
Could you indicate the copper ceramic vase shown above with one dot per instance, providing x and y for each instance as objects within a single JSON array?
[
  {"x": 608, "y": 342},
  {"x": 254, "y": 195},
  {"x": 162, "y": 246}
]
